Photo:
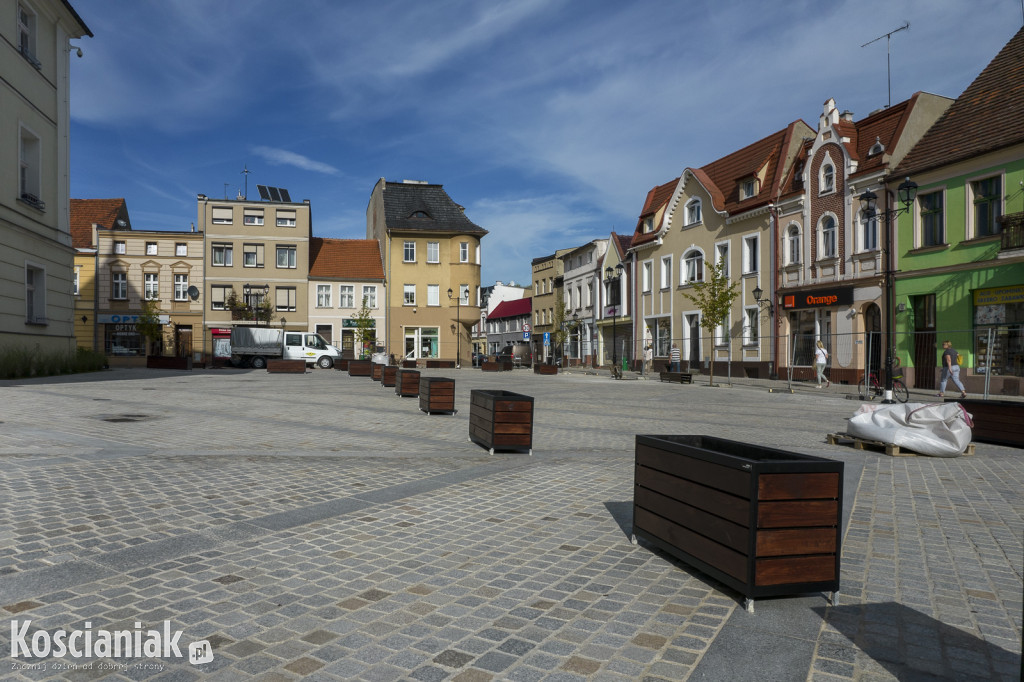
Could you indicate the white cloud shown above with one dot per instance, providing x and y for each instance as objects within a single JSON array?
[{"x": 286, "y": 158}]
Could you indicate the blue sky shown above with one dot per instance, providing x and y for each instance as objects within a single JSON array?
[{"x": 549, "y": 120}]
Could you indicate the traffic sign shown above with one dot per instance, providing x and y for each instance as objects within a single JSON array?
[
  {"x": 526, "y": 336},
  {"x": 527, "y": 328},
  {"x": 547, "y": 338}
]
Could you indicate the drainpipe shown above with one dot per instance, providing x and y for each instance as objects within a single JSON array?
[{"x": 773, "y": 291}]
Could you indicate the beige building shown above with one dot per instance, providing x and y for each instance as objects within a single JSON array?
[
  {"x": 88, "y": 216},
  {"x": 37, "y": 260},
  {"x": 343, "y": 275},
  {"x": 133, "y": 266},
  {"x": 547, "y": 302},
  {"x": 257, "y": 254},
  {"x": 431, "y": 255}
]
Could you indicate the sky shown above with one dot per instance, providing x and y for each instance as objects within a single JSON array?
[{"x": 548, "y": 120}]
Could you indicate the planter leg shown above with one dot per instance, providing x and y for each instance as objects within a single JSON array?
[
  {"x": 748, "y": 604},
  {"x": 632, "y": 539},
  {"x": 833, "y": 598},
  {"x": 492, "y": 452},
  {"x": 531, "y": 452}
]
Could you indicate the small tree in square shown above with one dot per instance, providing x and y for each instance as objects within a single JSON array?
[
  {"x": 148, "y": 324},
  {"x": 365, "y": 329},
  {"x": 713, "y": 298}
]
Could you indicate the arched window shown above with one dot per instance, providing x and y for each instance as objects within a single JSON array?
[
  {"x": 693, "y": 267},
  {"x": 693, "y": 214},
  {"x": 793, "y": 244},
  {"x": 828, "y": 237},
  {"x": 828, "y": 178},
  {"x": 868, "y": 231}
]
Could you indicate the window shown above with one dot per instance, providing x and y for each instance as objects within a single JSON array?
[
  {"x": 286, "y": 256},
  {"x": 252, "y": 255},
  {"x": 370, "y": 296},
  {"x": 218, "y": 295},
  {"x": 828, "y": 237},
  {"x": 75, "y": 281},
  {"x": 988, "y": 206},
  {"x": 408, "y": 294},
  {"x": 30, "y": 170},
  {"x": 793, "y": 244},
  {"x": 463, "y": 252},
  {"x": 253, "y": 216},
  {"x": 119, "y": 286},
  {"x": 181, "y": 249},
  {"x": 722, "y": 332},
  {"x": 648, "y": 275},
  {"x": 433, "y": 294},
  {"x": 752, "y": 321},
  {"x": 932, "y": 228},
  {"x": 181, "y": 287},
  {"x": 285, "y": 218},
  {"x": 693, "y": 267},
  {"x": 221, "y": 255},
  {"x": 723, "y": 258},
  {"x": 666, "y": 272},
  {"x": 323, "y": 295},
  {"x": 693, "y": 212},
  {"x": 828, "y": 178},
  {"x": 27, "y": 35},
  {"x": 285, "y": 299},
  {"x": 35, "y": 295},
  {"x": 750, "y": 263},
  {"x": 346, "y": 296},
  {"x": 748, "y": 188},
  {"x": 409, "y": 252},
  {"x": 433, "y": 252},
  {"x": 152, "y": 286},
  {"x": 868, "y": 231},
  {"x": 221, "y": 215},
  {"x": 119, "y": 247},
  {"x": 463, "y": 294},
  {"x": 151, "y": 248}
]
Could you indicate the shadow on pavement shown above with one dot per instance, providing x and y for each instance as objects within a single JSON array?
[
  {"x": 622, "y": 512},
  {"x": 913, "y": 646}
]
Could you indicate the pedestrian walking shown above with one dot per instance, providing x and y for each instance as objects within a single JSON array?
[
  {"x": 674, "y": 357},
  {"x": 648, "y": 358},
  {"x": 820, "y": 360},
  {"x": 950, "y": 369}
]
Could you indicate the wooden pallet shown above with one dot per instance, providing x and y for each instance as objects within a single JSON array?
[{"x": 890, "y": 449}]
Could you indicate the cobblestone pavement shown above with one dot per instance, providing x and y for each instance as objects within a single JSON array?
[{"x": 318, "y": 527}]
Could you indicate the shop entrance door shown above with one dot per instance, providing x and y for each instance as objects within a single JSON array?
[
  {"x": 925, "y": 354},
  {"x": 183, "y": 341}
]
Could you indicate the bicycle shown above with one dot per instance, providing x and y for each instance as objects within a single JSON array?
[{"x": 899, "y": 389}]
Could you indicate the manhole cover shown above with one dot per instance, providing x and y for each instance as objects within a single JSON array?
[{"x": 126, "y": 418}]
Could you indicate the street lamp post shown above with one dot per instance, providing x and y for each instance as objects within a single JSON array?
[
  {"x": 614, "y": 276},
  {"x": 458, "y": 330},
  {"x": 868, "y": 201}
]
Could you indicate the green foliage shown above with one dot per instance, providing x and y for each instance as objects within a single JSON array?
[
  {"x": 365, "y": 331},
  {"x": 260, "y": 312},
  {"x": 713, "y": 298},
  {"x": 148, "y": 324},
  {"x": 22, "y": 363}
]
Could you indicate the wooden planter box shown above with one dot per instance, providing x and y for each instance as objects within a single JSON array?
[
  {"x": 387, "y": 375},
  {"x": 437, "y": 394},
  {"x": 286, "y": 366},
  {"x": 501, "y": 420},
  {"x": 545, "y": 369},
  {"x": 408, "y": 364},
  {"x": 679, "y": 377},
  {"x": 407, "y": 383},
  {"x": 375, "y": 370},
  {"x": 341, "y": 364},
  {"x": 359, "y": 368},
  {"x": 996, "y": 421},
  {"x": 762, "y": 521},
  {"x": 488, "y": 366},
  {"x": 167, "y": 362},
  {"x": 440, "y": 364}
]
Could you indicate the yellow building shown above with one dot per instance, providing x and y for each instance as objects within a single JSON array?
[
  {"x": 431, "y": 254},
  {"x": 88, "y": 216},
  {"x": 548, "y": 302}
]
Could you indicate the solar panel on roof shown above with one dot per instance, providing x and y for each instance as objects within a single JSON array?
[
  {"x": 285, "y": 196},
  {"x": 274, "y": 194},
  {"x": 264, "y": 194}
]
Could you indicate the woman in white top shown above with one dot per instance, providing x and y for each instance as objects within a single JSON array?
[{"x": 820, "y": 360}]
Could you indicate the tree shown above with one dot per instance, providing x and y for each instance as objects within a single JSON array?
[
  {"x": 713, "y": 298},
  {"x": 148, "y": 323},
  {"x": 365, "y": 329}
]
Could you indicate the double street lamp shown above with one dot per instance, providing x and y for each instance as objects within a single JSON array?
[
  {"x": 868, "y": 202},
  {"x": 458, "y": 330},
  {"x": 614, "y": 276}
]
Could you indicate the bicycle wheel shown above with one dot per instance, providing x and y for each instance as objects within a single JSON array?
[
  {"x": 899, "y": 391},
  {"x": 860, "y": 389}
]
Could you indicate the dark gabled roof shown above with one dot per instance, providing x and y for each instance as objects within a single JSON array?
[
  {"x": 988, "y": 116},
  {"x": 516, "y": 308},
  {"x": 103, "y": 212},
  {"x": 403, "y": 200},
  {"x": 345, "y": 258}
]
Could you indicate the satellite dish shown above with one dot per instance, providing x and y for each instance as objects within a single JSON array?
[{"x": 193, "y": 293}]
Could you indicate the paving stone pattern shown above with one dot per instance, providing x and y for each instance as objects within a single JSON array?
[{"x": 319, "y": 527}]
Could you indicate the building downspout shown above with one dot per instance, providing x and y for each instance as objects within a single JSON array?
[
  {"x": 773, "y": 293},
  {"x": 203, "y": 295}
]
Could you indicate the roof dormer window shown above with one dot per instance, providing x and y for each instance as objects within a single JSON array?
[
  {"x": 877, "y": 147},
  {"x": 420, "y": 215},
  {"x": 748, "y": 188},
  {"x": 648, "y": 224}
]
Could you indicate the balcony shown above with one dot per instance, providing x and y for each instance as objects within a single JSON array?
[{"x": 1012, "y": 232}]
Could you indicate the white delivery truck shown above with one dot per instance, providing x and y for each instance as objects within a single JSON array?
[{"x": 253, "y": 346}]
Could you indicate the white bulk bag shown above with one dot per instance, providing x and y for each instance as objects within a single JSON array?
[{"x": 936, "y": 429}]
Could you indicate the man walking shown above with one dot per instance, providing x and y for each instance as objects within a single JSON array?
[
  {"x": 674, "y": 357},
  {"x": 950, "y": 369}
]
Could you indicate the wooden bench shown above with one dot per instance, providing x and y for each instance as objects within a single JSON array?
[
  {"x": 286, "y": 366},
  {"x": 440, "y": 364},
  {"x": 496, "y": 366},
  {"x": 678, "y": 377},
  {"x": 545, "y": 369}
]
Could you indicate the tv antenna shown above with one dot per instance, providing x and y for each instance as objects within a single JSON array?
[
  {"x": 888, "y": 59},
  {"x": 245, "y": 172}
]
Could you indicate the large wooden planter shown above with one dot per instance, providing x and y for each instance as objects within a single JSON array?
[
  {"x": 341, "y": 364},
  {"x": 407, "y": 383},
  {"x": 762, "y": 521},
  {"x": 359, "y": 368},
  {"x": 545, "y": 369},
  {"x": 387, "y": 375},
  {"x": 375, "y": 370},
  {"x": 996, "y": 421},
  {"x": 678, "y": 377},
  {"x": 437, "y": 394},
  {"x": 502, "y": 366},
  {"x": 168, "y": 362},
  {"x": 501, "y": 420},
  {"x": 286, "y": 366},
  {"x": 408, "y": 364},
  {"x": 440, "y": 364}
]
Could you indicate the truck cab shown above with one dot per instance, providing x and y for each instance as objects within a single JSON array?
[{"x": 311, "y": 348}]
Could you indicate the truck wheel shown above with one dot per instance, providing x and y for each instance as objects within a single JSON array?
[
  {"x": 258, "y": 362},
  {"x": 325, "y": 362}
]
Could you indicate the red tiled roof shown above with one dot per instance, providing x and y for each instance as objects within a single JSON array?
[
  {"x": 345, "y": 258},
  {"x": 722, "y": 178},
  {"x": 516, "y": 308},
  {"x": 103, "y": 212},
  {"x": 988, "y": 116},
  {"x": 884, "y": 126},
  {"x": 656, "y": 198}
]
